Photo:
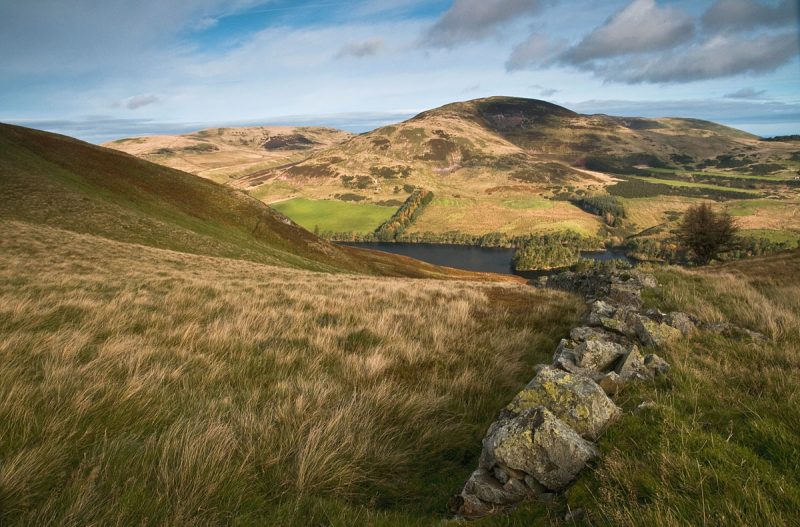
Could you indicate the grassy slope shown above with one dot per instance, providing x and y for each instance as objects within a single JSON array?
[
  {"x": 58, "y": 181},
  {"x": 222, "y": 153},
  {"x": 143, "y": 386},
  {"x": 336, "y": 216},
  {"x": 722, "y": 447}
]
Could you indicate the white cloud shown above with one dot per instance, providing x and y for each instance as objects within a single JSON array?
[
  {"x": 642, "y": 26},
  {"x": 718, "y": 57},
  {"x": 472, "y": 20}
]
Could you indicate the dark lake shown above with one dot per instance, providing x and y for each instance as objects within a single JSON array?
[{"x": 482, "y": 259}]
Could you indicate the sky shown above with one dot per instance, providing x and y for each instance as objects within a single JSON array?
[{"x": 106, "y": 69}]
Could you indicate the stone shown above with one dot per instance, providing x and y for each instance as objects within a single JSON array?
[
  {"x": 656, "y": 365},
  {"x": 645, "y": 279},
  {"x": 681, "y": 322},
  {"x": 539, "y": 444},
  {"x": 573, "y": 398},
  {"x": 487, "y": 489},
  {"x": 652, "y": 333},
  {"x": 584, "y": 333},
  {"x": 564, "y": 357},
  {"x": 729, "y": 330},
  {"x": 611, "y": 383},
  {"x": 597, "y": 355},
  {"x": 617, "y": 325},
  {"x": 536, "y": 487},
  {"x": 655, "y": 314},
  {"x": 470, "y": 507},
  {"x": 627, "y": 294},
  {"x": 599, "y": 310},
  {"x": 632, "y": 366}
]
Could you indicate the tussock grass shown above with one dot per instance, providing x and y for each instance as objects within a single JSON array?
[
  {"x": 723, "y": 445},
  {"x": 142, "y": 386}
]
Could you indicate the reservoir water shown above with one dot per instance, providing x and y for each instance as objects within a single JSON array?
[{"x": 482, "y": 259}]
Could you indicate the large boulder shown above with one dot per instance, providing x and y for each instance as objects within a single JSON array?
[
  {"x": 537, "y": 443},
  {"x": 573, "y": 398},
  {"x": 652, "y": 333}
]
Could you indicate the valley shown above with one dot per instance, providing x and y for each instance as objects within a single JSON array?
[{"x": 503, "y": 168}]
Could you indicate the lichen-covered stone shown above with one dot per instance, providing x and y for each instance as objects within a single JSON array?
[
  {"x": 541, "y": 445},
  {"x": 597, "y": 355},
  {"x": 575, "y": 399},
  {"x": 652, "y": 333},
  {"x": 632, "y": 367},
  {"x": 599, "y": 310}
]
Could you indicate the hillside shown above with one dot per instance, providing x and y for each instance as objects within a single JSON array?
[
  {"x": 143, "y": 386},
  {"x": 222, "y": 153},
  {"x": 502, "y": 165},
  {"x": 52, "y": 180}
]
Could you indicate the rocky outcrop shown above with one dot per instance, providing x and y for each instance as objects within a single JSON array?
[{"x": 544, "y": 437}]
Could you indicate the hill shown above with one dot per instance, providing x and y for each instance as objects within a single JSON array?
[
  {"x": 506, "y": 165},
  {"x": 222, "y": 153},
  {"x": 520, "y": 166},
  {"x": 52, "y": 180}
]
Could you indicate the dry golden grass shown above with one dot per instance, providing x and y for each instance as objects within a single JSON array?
[
  {"x": 231, "y": 151},
  {"x": 142, "y": 386}
]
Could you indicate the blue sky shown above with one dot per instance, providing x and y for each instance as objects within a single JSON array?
[{"x": 104, "y": 70}]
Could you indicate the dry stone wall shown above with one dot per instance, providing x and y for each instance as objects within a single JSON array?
[{"x": 545, "y": 436}]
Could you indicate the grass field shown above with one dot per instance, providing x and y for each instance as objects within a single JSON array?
[
  {"x": 777, "y": 236},
  {"x": 690, "y": 184},
  {"x": 722, "y": 446},
  {"x": 143, "y": 386},
  {"x": 511, "y": 216},
  {"x": 336, "y": 216}
]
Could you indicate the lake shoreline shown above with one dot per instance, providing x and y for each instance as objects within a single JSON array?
[{"x": 476, "y": 258}]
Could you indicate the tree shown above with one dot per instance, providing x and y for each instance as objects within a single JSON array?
[{"x": 706, "y": 233}]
